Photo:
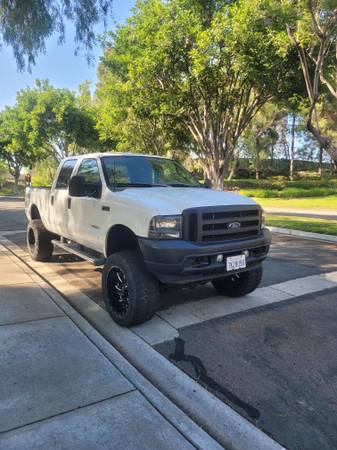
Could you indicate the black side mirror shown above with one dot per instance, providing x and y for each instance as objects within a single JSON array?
[
  {"x": 76, "y": 186},
  {"x": 208, "y": 183}
]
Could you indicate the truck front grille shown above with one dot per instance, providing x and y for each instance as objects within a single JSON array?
[{"x": 221, "y": 223}]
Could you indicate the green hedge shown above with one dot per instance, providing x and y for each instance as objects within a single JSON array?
[
  {"x": 293, "y": 192},
  {"x": 280, "y": 184}
]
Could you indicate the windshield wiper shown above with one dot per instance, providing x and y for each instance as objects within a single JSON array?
[{"x": 183, "y": 185}]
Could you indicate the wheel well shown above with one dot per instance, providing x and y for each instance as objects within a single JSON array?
[
  {"x": 120, "y": 238},
  {"x": 34, "y": 213}
]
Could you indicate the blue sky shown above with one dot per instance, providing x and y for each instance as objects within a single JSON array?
[{"x": 59, "y": 64}]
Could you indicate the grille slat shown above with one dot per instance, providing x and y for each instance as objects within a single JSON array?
[
  {"x": 212, "y": 224},
  {"x": 229, "y": 219},
  {"x": 227, "y": 231},
  {"x": 225, "y": 237},
  {"x": 224, "y": 226}
]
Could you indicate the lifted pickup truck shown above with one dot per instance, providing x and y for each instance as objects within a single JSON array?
[{"x": 149, "y": 222}]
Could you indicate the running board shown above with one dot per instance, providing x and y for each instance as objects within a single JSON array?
[{"x": 75, "y": 249}]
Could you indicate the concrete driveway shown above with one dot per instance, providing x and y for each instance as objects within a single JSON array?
[{"x": 270, "y": 356}]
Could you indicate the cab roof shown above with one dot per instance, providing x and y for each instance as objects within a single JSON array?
[{"x": 99, "y": 155}]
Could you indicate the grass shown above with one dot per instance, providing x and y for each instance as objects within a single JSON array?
[
  {"x": 309, "y": 203},
  {"x": 304, "y": 224}
]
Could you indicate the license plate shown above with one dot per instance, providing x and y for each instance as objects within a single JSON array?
[{"x": 236, "y": 262}]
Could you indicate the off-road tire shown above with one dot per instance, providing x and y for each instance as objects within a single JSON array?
[
  {"x": 142, "y": 287},
  {"x": 238, "y": 285},
  {"x": 39, "y": 240}
]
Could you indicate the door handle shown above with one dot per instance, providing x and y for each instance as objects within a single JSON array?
[
  {"x": 52, "y": 200},
  {"x": 69, "y": 202}
]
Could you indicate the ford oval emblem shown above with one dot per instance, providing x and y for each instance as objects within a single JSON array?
[{"x": 233, "y": 225}]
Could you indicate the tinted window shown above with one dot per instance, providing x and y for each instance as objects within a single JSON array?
[
  {"x": 65, "y": 174},
  {"x": 92, "y": 179},
  {"x": 140, "y": 170}
]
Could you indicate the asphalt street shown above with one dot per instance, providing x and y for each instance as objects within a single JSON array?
[{"x": 275, "y": 364}]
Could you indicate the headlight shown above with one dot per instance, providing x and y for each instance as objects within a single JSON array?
[
  {"x": 165, "y": 227},
  {"x": 263, "y": 219}
]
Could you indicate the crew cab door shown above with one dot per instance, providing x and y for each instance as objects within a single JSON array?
[
  {"x": 58, "y": 207},
  {"x": 85, "y": 213}
]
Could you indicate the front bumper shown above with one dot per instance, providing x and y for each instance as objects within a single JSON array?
[{"x": 184, "y": 262}]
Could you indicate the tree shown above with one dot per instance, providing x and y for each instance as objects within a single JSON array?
[
  {"x": 261, "y": 136},
  {"x": 312, "y": 29},
  {"x": 126, "y": 122},
  {"x": 201, "y": 69},
  {"x": 15, "y": 148},
  {"x": 57, "y": 121},
  {"x": 25, "y": 25}
]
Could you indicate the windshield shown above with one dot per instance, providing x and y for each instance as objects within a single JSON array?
[{"x": 142, "y": 171}]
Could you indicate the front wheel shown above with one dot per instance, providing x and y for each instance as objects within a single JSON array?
[
  {"x": 240, "y": 284},
  {"x": 131, "y": 293}
]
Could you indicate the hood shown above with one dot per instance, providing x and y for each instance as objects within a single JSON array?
[{"x": 168, "y": 200}]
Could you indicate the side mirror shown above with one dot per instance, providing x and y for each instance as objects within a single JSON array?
[
  {"x": 208, "y": 183},
  {"x": 76, "y": 186}
]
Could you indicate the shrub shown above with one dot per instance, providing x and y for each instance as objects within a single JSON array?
[
  {"x": 293, "y": 192},
  {"x": 44, "y": 172},
  {"x": 312, "y": 192},
  {"x": 281, "y": 184}
]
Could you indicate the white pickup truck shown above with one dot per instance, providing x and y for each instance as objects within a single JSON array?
[{"x": 149, "y": 222}]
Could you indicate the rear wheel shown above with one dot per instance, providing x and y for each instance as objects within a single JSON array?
[
  {"x": 131, "y": 293},
  {"x": 39, "y": 240},
  {"x": 239, "y": 284}
]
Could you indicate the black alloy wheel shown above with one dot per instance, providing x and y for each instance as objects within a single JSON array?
[{"x": 118, "y": 291}]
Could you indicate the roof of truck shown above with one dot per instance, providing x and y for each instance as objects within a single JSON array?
[{"x": 95, "y": 155}]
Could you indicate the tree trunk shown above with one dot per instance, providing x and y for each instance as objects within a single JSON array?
[
  {"x": 292, "y": 149},
  {"x": 320, "y": 166},
  {"x": 16, "y": 181},
  {"x": 323, "y": 141},
  {"x": 215, "y": 173},
  {"x": 257, "y": 157},
  {"x": 235, "y": 165},
  {"x": 232, "y": 171}
]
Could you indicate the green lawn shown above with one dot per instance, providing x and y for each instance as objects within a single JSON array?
[
  {"x": 304, "y": 224},
  {"x": 9, "y": 192},
  {"x": 329, "y": 202}
]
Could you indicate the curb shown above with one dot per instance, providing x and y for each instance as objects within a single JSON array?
[
  {"x": 191, "y": 431},
  {"x": 304, "y": 234},
  {"x": 201, "y": 407}
]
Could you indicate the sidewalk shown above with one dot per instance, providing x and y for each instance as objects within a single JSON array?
[
  {"x": 315, "y": 213},
  {"x": 58, "y": 386}
]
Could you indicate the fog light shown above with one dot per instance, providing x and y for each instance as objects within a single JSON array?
[
  {"x": 219, "y": 258},
  {"x": 246, "y": 253},
  {"x": 201, "y": 261}
]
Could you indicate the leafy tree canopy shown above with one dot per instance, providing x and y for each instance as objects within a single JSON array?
[
  {"x": 26, "y": 24},
  {"x": 198, "y": 68},
  {"x": 312, "y": 31},
  {"x": 57, "y": 120},
  {"x": 15, "y": 149}
]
